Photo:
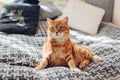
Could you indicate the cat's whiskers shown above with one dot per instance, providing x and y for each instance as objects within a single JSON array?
[
  {"x": 60, "y": 38},
  {"x": 58, "y": 35}
]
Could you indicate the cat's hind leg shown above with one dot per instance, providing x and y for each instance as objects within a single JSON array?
[{"x": 90, "y": 56}]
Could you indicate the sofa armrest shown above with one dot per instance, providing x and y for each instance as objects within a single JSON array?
[{"x": 110, "y": 24}]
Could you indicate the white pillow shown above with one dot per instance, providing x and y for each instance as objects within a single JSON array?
[
  {"x": 83, "y": 16},
  {"x": 116, "y": 13}
]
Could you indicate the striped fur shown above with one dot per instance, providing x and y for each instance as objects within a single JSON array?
[{"x": 60, "y": 50}]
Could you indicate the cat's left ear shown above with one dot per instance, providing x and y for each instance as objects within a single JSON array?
[
  {"x": 49, "y": 20},
  {"x": 65, "y": 20}
]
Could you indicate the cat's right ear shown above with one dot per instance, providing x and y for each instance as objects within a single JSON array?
[{"x": 49, "y": 20}]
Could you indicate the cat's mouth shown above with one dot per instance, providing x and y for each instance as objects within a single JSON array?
[{"x": 58, "y": 35}]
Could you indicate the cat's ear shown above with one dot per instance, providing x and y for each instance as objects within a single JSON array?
[
  {"x": 49, "y": 20},
  {"x": 65, "y": 20}
]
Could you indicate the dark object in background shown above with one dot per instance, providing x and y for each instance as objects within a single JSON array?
[
  {"x": 19, "y": 19},
  {"x": 27, "y": 1},
  {"x": 47, "y": 9}
]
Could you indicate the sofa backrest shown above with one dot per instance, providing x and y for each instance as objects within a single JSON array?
[{"x": 105, "y": 4}]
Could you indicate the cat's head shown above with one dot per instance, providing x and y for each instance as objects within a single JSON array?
[{"x": 58, "y": 29}]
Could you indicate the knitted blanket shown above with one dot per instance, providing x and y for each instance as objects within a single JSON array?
[{"x": 19, "y": 53}]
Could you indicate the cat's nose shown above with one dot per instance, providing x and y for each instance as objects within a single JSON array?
[{"x": 56, "y": 33}]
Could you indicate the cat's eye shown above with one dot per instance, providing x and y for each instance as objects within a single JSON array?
[
  {"x": 52, "y": 28},
  {"x": 60, "y": 28}
]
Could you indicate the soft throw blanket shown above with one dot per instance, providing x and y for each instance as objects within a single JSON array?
[{"x": 19, "y": 53}]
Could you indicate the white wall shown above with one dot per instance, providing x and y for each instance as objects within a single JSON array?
[{"x": 116, "y": 14}]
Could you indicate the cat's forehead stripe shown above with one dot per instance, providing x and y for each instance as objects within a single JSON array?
[{"x": 57, "y": 25}]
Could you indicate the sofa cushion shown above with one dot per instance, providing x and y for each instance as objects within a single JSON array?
[
  {"x": 48, "y": 10},
  {"x": 83, "y": 16}
]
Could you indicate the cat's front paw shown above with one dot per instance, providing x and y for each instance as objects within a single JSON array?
[
  {"x": 97, "y": 59},
  {"x": 76, "y": 69},
  {"x": 37, "y": 68}
]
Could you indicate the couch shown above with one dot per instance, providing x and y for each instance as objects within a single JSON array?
[{"x": 19, "y": 53}]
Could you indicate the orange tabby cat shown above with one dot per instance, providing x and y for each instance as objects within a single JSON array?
[{"x": 59, "y": 50}]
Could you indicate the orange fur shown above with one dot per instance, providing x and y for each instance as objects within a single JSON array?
[{"x": 59, "y": 50}]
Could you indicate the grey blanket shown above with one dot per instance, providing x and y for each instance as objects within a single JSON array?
[{"x": 19, "y": 53}]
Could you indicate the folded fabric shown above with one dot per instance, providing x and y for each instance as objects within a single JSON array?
[
  {"x": 20, "y": 1},
  {"x": 19, "y": 18},
  {"x": 27, "y": 1}
]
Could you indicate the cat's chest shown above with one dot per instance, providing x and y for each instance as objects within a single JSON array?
[
  {"x": 58, "y": 56},
  {"x": 60, "y": 52}
]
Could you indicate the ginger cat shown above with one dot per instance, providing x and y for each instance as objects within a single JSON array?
[{"x": 59, "y": 50}]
